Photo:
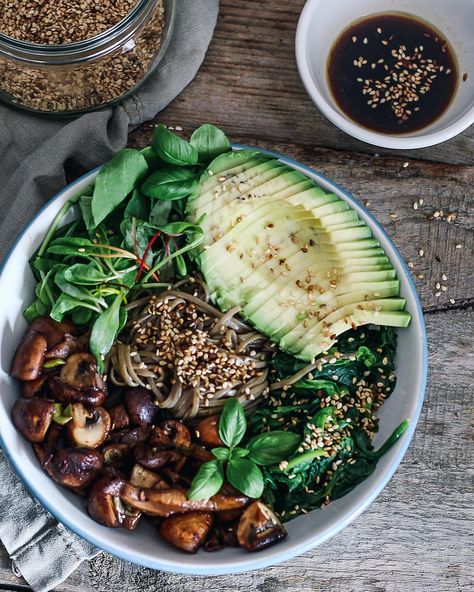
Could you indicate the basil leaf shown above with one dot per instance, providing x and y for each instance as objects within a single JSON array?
[
  {"x": 152, "y": 159},
  {"x": 207, "y": 482},
  {"x": 272, "y": 447},
  {"x": 220, "y": 453},
  {"x": 173, "y": 149},
  {"x": 104, "y": 331},
  {"x": 209, "y": 141},
  {"x": 245, "y": 476},
  {"x": 232, "y": 424},
  {"x": 138, "y": 206},
  {"x": 169, "y": 183},
  {"x": 115, "y": 181},
  {"x": 239, "y": 452}
]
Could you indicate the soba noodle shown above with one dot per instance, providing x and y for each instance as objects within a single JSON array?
[{"x": 190, "y": 354}]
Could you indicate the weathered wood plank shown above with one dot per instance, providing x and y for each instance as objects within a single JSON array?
[
  {"x": 417, "y": 536},
  {"x": 249, "y": 84}
]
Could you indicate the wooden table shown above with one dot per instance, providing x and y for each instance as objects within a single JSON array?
[{"x": 418, "y": 535}]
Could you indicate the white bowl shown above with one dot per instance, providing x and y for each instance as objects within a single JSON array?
[
  {"x": 321, "y": 23},
  {"x": 143, "y": 546}
]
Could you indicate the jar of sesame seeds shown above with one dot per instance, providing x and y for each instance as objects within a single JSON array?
[{"x": 64, "y": 58}]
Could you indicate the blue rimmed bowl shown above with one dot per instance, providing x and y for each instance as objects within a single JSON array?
[{"x": 143, "y": 546}]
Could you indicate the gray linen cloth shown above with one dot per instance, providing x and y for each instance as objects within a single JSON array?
[{"x": 33, "y": 153}]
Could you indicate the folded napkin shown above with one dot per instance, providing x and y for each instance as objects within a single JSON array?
[{"x": 33, "y": 153}]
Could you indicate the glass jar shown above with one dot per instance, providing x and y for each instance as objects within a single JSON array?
[{"x": 86, "y": 75}]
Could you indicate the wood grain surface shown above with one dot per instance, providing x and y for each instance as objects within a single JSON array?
[{"x": 419, "y": 534}]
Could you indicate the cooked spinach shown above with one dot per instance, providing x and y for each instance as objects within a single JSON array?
[{"x": 333, "y": 409}]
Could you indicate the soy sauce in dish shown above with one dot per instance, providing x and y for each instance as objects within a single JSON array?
[{"x": 392, "y": 73}]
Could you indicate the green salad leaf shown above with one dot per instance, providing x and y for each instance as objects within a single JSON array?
[
  {"x": 268, "y": 448},
  {"x": 172, "y": 149},
  {"x": 115, "y": 181},
  {"x": 208, "y": 481},
  {"x": 210, "y": 142},
  {"x": 244, "y": 475},
  {"x": 232, "y": 424},
  {"x": 105, "y": 329},
  {"x": 170, "y": 183}
]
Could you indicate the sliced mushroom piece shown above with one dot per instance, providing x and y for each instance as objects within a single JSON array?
[
  {"x": 33, "y": 417},
  {"x": 52, "y": 330},
  {"x": 48, "y": 447},
  {"x": 140, "y": 406},
  {"x": 33, "y": 387},
  {"x": 228, "y": 534},
  {"x": 171, "y": 433},
  {"x": 207, "y": 431},
  {"x": 172, "y": 501},
  {"x": 80, "y": 371},
  {"x": 29, "y": 357},
  {"x": 259, "y": 528},
  {"x": 130, "y": 437},
  {"x": 200, "y": 453},
  {"x": 186, "y": 531},
  {"x": 115, "y": 454},
  {"x": 229, "y": 515},
  {"x": 141, "y": 477},
  {"x": 213, "y": 540},
  {"x": 75, "y": 467},
  {"x": 68, "y": 394},
  {"x": 68, "y": 346},
  {"x": 119, "y": 416},
  {"x": 152, "y": 458},
  {"x": 88, "y": 429},
  {"x": 102, "y": 504}
]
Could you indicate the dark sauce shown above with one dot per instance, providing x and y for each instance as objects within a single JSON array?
[{"x": 392, "y": 73}]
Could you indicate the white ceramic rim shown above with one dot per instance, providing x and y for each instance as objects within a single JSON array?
[
  {"x": 351, "y": 128},
  {"x": 283, "y": 552}
]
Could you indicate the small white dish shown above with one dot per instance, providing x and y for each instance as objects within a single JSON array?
[
  {"x": 320, "y": 24},
  {"x": 143, "y": 546}
]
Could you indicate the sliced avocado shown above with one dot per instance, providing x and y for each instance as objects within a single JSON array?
[
  {"x": 233, "y": 163},
  {"x": 397, "y": 318},
  {"x": 323, "y": 328},
  {"x": 301, "y": 319},
  {"x": 298, "y": 260}
]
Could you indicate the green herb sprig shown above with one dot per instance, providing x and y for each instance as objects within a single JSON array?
[{"x": 240, "y": 465}]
